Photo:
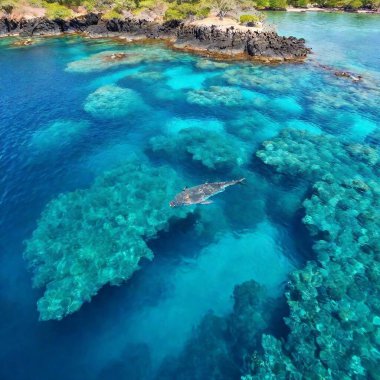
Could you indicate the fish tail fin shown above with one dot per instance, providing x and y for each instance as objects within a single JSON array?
[{"x": 241, "y": 181}]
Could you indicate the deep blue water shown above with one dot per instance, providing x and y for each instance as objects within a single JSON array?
[{"x": 55, "y": 137}]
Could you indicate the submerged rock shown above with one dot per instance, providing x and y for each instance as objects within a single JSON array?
[
  {"x": 103, "y": 61},
  {"x": 25, "y": 42},
  {"x": 89, "y": 238},
  {"x": 346, "y": 74},
  {"x": 114, "y": 58}
]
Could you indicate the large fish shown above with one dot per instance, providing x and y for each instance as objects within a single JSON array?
[{"x": 200, "y": 194}]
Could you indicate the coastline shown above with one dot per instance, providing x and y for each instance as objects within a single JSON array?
[
  {"x": 227, "y": 42},
  {"x": 330, "y": 10}
]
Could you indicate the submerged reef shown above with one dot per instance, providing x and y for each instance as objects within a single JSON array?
[
  {"x": 301, "y": 154},
  {"x": 207, "y": 64},
  {"x": 147, "y": 76},
  {"x": 103, "y": 61},
  {"x": 216, "y": 95},
  {"x": 89, "y": 238},
  {"x": 110, "y": 102},
  {"x": 219, "y": 345},
  {"x": 334, "y": 317},
  {"x": 177, "y": 124},
  {"x": 212, "y": 149},
  {"x": 57, "y": 133},
  {"x": 256, "y": 78},
  {"x": 111, "y": 59}
]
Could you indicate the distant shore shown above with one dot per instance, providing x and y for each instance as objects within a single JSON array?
[{"x": 331, "y": 10}]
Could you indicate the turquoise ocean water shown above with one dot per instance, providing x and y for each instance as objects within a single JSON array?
[{"x": 91, "y": 152}]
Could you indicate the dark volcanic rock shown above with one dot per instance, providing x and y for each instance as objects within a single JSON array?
[
  {"x": 38, "y": 27},
  {"x": 8, "y": 26},
  {"x": 3, "y": 27},
  {"x": 82, "y": 23},
  {"x": 256, "y": 44},
  {"x": 230, "y": 42}
]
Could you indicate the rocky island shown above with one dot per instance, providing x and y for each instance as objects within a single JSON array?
[{"x": 220, "y": 41}]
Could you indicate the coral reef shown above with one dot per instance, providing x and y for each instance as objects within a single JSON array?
[
  {"x": 212, "y": 149},
  {"x": 103, "y": 61},
  {"x": 205, "y": 356},
  {"x": 334, "y": 308},
  {"x": 256, "y": 78},
  {"x": 218, "y": 345},
  {"x": 298, "y": 153},
  {"x": 216, "y": 95},
  {"x": 147, "y": 76},
  {"x": 57, "y": 134},
  {"x": 253, "y": 126},
  {"x": 89, "y": 238},
  {"x": 207, "y": 64},
  {"x": 110, "y": 102},
  {"x": 177, "y": 124},
  {"x": 351, "y": 99}
]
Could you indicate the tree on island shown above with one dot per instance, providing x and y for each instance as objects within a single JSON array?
[{"x": 222, "y": 7}]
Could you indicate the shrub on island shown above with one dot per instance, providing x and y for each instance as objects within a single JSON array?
[
  {"x": 112, "y": 14},
  {"x": 251, "y": 18},
  {"x": 184, "y": 10},
  {"x": 89, "y": 238},
  {"x": 57, "y": 11}
]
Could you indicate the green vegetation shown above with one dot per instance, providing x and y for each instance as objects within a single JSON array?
[
  {"x": 254, "y": 18},
  {"x": 54, "y": 10},
  {"x": 277, "y": 4},
  {"x": 112, "y": 14},
  {"x": 343, "y": 4},
  {"x": 179, "y": 9},
  {"x": 7, "y": 5}
]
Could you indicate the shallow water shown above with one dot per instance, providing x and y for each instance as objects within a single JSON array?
[{"x": 60, "y": 128}]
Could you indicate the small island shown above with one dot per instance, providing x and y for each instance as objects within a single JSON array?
[{"x": 220, "y": 28}]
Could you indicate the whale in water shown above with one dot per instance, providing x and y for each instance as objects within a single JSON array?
[{"x": 200, "y": 194}]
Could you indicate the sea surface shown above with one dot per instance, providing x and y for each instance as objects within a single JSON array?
[{"x": 69, "y": 115}]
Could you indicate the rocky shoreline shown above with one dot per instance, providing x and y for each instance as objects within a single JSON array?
[{"x": 228, "y": 43}]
